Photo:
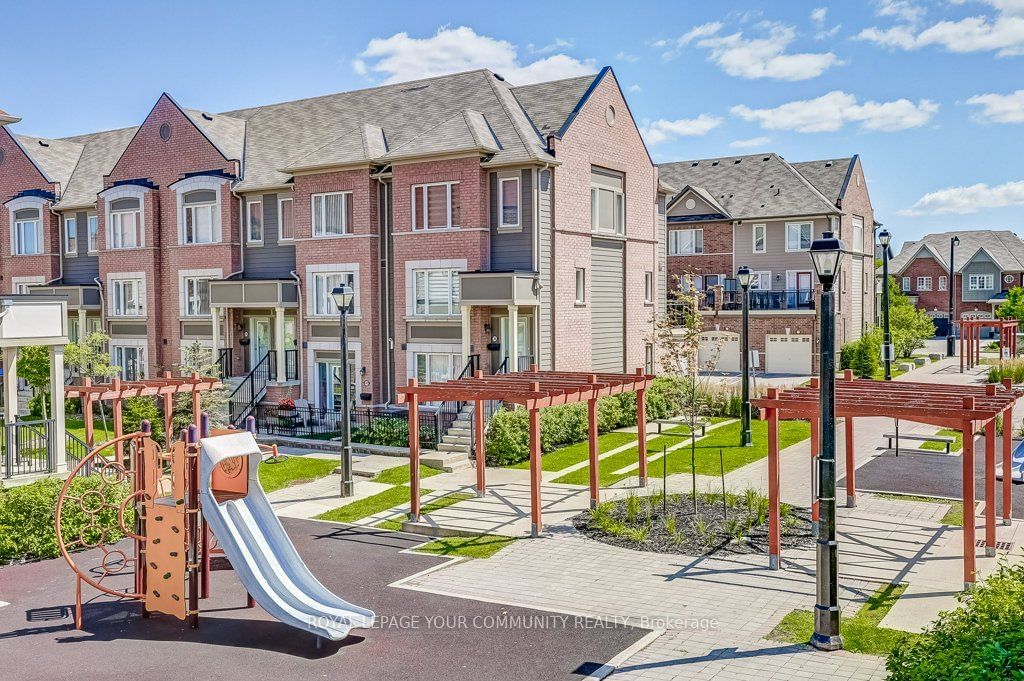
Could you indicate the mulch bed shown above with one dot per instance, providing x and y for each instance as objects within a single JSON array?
[{"x": 716, "y": 536}]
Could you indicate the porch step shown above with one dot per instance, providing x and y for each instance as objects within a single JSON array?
[
  {"x": 446, "y": 446},
  {"x": 448, "y": 462}
]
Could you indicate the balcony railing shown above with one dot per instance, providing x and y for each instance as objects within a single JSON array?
[{"x": 795, "y": 299}]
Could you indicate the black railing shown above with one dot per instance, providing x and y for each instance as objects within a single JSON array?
[
  {"x": 502, "y": 368},
  {"x": 75, "y": 449},
  {"x": 448, "y": 411},
  {"x": 223, "y": 361},
  {"x": 250, "y": 391},
  {"x": 388, "y": 426},
  {"x": 798, "y": 299},
  {"x": 291, "y": 365},
  {"x": 525, "y": 362},
  {"x": 27, "y": 447}
]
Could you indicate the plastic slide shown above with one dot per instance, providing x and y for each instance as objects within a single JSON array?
[
  {"x": 1016, "y": 465},
  {"x": 261, "y": 553}
]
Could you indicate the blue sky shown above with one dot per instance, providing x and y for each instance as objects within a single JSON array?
[{"x": 931, "y": 94}]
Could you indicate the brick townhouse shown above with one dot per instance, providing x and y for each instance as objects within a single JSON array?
[
  {"x": 475, "y": 220},
  {"x": 763, "y": 212},
  {"x": 987, "y": 264}
]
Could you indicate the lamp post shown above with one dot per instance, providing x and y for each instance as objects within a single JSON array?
[
  {"x": 343, "y": 296},
  {"x": 950, "y": 333},
  {"x": 743, "y": 274},
  {"x": 887, "y": 351},
  {"x": 826, "y": 255}
]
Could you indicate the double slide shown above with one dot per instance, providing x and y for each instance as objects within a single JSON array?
[{"x": 261, "y": 553}]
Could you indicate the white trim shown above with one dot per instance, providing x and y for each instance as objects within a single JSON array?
[
  {"x": 64, "y": 234},
  {"x": 22, "y": 203},
  {"x": 281, "y": 200},
  {"x": 89, "y": 218},
  {"x": 753, "y": 237},
  {"x": 139, "y": 343},
  {"x": 459, "y": 265},
  {"x": 412, "y": 206},
  {"x": 331, "y": 268},
  {"x": 673, "y": 241},
  {"x": 127, "y": 191},
  {"x": 199, "y": 183},
  {"x": 249, "y": 202},
  {"x": 18, "y": 281},
  {"x": 354, "y": 346},
  {"x": 786, "y": 235},
  {"x": 924, "y": 284},
  {"x": 346, "y": 228},
  {"x": 986, "y": 282},
  {"x": 413, "y": 349},
  {"x": 213, "y": 273},
  {"x": 126, "y": 276},
  {"x": 501, "y": 203}
]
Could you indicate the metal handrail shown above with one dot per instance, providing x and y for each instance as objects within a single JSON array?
[
  {"x": 503, "y": 367},
  {"x": 223, "y": 361},
  {"x": 250, "y": 391}
]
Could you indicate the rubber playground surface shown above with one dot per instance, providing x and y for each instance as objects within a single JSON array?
[{"x": 417, "y": 635}]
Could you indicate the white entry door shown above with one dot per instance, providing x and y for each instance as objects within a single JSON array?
[{"x": 259, "y": 339}]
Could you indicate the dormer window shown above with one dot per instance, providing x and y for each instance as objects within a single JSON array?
[
  {"x": 125, "y": 223},
  {"x": 199, "y": 217},
  {"x": 28, "y": 232}
]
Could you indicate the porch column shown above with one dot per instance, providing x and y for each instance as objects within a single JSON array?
[
  {"x": 513, "y": 338},
  {"x": 851, "y": 466},
  {"x": 990, "y": 488},
  {"x": 1007, "y": 466},
  {"x": 56, "y": 450},
  {"x": 774, "y": 527},
  {"x": 968, "y": 495},
  {"x": 215, "y": 333},
  {"x": 467, "y": 333},
  {"x": 279, "y": 344},
  {"x": 81, "y": 324},
  {"x": 10, "y": 385}
]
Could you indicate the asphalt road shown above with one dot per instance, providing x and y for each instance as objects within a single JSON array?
[{"x": 418, "y": 636}]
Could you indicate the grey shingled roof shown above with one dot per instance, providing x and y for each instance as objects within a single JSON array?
[
  {"x": 1005, "y": 248},
  {"x": 549, "y": 104},
  {"x": 465, "y": 131},
  {"x": 758, "y": 186},
  {"x": 57, "y": 158},
  {"x": 226, "y": 133},
  {"x": 827, "y": 175},
  {"x": 100, "y": 151},
  {"x": 355, "y": 146}
]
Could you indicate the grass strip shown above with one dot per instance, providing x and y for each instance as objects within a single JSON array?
[
  {"x": 940, "y": 446},
  {"x": 480, "y": 546},
  {"x": 367, "y": 506},
  {"x": 564, "y": 457},
  {"x": 399, "y": 475},
  {"x": 294, "y": 470}
]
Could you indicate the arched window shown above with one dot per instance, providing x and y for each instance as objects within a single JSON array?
[
  {"x": 28, "y": 232},
  {"x": 125, "y": 223},
  {"x": 199, "y": 217}
]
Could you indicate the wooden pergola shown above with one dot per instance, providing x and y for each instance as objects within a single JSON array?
[
  {"x": 970, "y": 339},
  {"x": 117, "y": 391},
  {"x": 969, "y": 409},
  {"x": 533, "y": 390}
]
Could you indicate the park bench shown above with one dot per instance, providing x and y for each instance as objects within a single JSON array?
[
  {"x": 942, "y": 439},
  {"x": 700, "y": 424}
]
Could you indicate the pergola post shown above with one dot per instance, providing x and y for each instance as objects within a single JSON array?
[
  {"x": 414, "y": 454},
  {"x": 815, "y": 442},
  {"x": 968, "y": 495},
  {"x": 90, "y": 433},
  {"x": 1008, "y": 465},
  {"x": 851, "y": 466},
  {"x": 118, "y": 423},
  {"x": 961, "y": 345},
  {"x": 168, "y": 415},
  {"x": 481, "y": 461},
  {"x": 774, "y": 527},
  {"x": 641, "y": 429},
  {"x": 990, "y": 487},
  {"x": 535, "y": 468}
]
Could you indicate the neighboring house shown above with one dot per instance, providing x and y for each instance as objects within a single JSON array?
[
  {"x": 987, "y": 264},
  {"x": 474, "y": 219},
  {"x": 763, "y": 212}
]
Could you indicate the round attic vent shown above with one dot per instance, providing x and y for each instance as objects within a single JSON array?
[
  {"x": 165, "y": 132},
  {"x": 2, "y": 155},
  {"x": 609, "y": 115},
  {"x": 690, "y": 204}
]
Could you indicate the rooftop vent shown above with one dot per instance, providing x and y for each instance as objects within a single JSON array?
[
  {"x": 771, "y": 186},
  {"x": 207, "y": 116},
  {"x": 828, "y": 164},
  {"x": 499, "y": 77},
  {"x": 695, "y": 164},
  {"x": 415, "y": 88},
  {"x": 43, "y": 144},
  {"x": 737, "y": 161},
  {"x": 714, "y": 163},
  {"x": 765, "y": 159}
]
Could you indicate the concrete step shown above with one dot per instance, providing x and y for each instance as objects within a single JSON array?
[
  {"x": 460, "y": 432},
  {"x": 446, "y": 461},
  {"x": 453, "y": 447},
  {"x": 457, "y": 439}
]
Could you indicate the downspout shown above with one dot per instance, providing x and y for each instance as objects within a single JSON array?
[
  {"x": 60, "y": 245},
  {"x": 300, "y": 367},
  {"x": 385, "y": 341},
  {"x": 103, "y": 304}
]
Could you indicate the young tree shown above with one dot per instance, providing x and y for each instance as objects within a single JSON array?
[
  {"x": 196, "y": 358},
  {"x": 34, "y": 367},
  {"x": 1013, "y": 307},
  {"x": 910, "y": 327},
  {"x": 89, "y": 357}
]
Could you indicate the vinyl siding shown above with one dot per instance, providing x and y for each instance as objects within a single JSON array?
[
  {"x": 980, "y": 264},
  {"x": 81, "y": 268},
  {"x": 512, "y": 249},
  {"x": 272, "y": 259},
  {"x": 607, "y": 305},
  {"x": 660, "y": 281},
  {"x": 776, "y": 259},
  {"x": 544, "y": 191}
]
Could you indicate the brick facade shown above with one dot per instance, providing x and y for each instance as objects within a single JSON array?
[{"x": 717, "y": 257}]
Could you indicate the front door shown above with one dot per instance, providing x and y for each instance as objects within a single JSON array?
[
  {"x": 329, "y": 388},
  {"x": 804, "y": 288},
  {"x": 525, "y": 359},
  {"x": 259, "y": 334}
]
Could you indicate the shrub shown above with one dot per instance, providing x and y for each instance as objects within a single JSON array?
[
  {"x": 983, "y": 639},
  {"x": 28, "y": 513},
  {"x": 135, "y": 410},
  {"x": 868, "y": 355},
  {"x": 508, "y": 437},
  {"x": 1012, "y": 369},
  {"x": 609, "y": 414}
]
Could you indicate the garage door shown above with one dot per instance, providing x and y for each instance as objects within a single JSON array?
[
  {"x": 857, "y": 289},
  {"x": 719, "y": 351},
  {"x": 789, "y": 354},
  {"x": 607, "y": 305}
]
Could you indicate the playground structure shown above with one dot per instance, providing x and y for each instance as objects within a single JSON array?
[
  {"x": 180, "y": 505},
  {"x": 970, "y": 339}
]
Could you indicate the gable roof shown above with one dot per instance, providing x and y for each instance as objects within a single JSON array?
[
  {"x": 100, "y": 151},
  {"x": 1004, "y": 247},
  {"x": 467, "y": 130},
  {"x": 755, "y": 186},
  {"x": 550, "y": 104},
  {"x": 829, "y": 176},
  {"x": 56, "y": 158},
  {"x": 704, "y": 195},
  {"x": 359, "y": 145}
]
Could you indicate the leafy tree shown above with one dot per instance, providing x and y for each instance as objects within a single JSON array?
[
  {"x": 89, "y": 357},
  {"x": 910, "y": 327},
  {"x": 196, "y": 358},
  {"x": 34, "y": 367},
  {"x": 867, "y": 354},
  {"x": 1013, "y": 307}
]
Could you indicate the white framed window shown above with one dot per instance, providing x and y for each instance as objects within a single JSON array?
[
  {"x": 508, "y": 193},
  {"x": 924, "y": 283},
  {"x": 943, "y": 282},
  {"x": 905, "y": 284},
  {"x": 199, "y": 217},
  {"x": 648, "y": 287},
  {"x": 126, "y": 298},
  {"x": 130, "y": 360},
  {"x": 581, "y": 286},
  {"x": 980, "y": 282},
  {"x": 759, "y": 237},
  {"x": 858, "y": 234},
  {"x": 436, "y": 292},
  {"x": 254, "y": 222},
  {"x": 28, "y": 232},
  {"x": 285, "y": 225},
  {"x": 22, "y": 285},
  {"x": 125, "y": 223},
  {"x": 196, "y": 292},
  {"x": 433, "y": 367},
  {"x": 686, "y": 242},
  {"x": 435, "y": 206},
  {"x": 761, "y": 281},
  {"x": 70, "y": 235},
  {"x": 798, "y": 236},
  {"x": 332, "y": 213},
  {"x": 607, "y": 211},
  {"x": 323, "y": 284},
  {"x": 93, "y": 229}
]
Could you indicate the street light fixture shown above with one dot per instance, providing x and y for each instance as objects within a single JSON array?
[
  {"x": 887, "y": 350},
  {"x": 950, "y": 332},
  {"x": 743, "y": 274},
  {"x": 343, "y": 296},
  {"x": 827, "y": 255}
]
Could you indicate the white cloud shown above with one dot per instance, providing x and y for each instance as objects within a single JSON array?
[
  {"x": 451, "y": 50},
  {"x": 553, "y": 46},
  {"x": 626, "y": 56},
  {"x": 634, "y": 88},
  {"x": 359, "y": 66},
  {"x": 662, "y": 129},
  {"x": 1002, "y": 33},
  {"x": 673, "y": 47},
  {"x": 766, "y": 57},
  {"x": 1000, "y": 108},
  {"x": 751, "y": 143},
  {"x": 818, "y": 15},
  {"x": 970, "y": 199},
  {"x": 833, "y": 110},
  {"x": 901, "y": 9}
]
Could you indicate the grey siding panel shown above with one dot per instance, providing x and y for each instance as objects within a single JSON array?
[
  {"x": 607, "y": 305},
  {"x": 512, "y": 250},
  {"x": 981, "y": 264},
  {"x": 776, "y": 259},
  {"x": 660, "y": 280},
  {"x": 272, "y": 260},
  {"x": 81, "y": 268},
  {"x": 544, "y": 189}
]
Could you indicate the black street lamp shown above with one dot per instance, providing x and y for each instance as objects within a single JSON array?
[
  {"x": 950, "y": 332},
  {"x": 887, "y": 350},
  {"x": 743, "y": 274},
  {"x": 343, "y": 296},
  {"x": 826, "y": 255}
]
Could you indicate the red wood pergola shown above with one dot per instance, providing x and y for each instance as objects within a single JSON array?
[
  {"x": 968, "y": 409},
  {"x": 533, "y": 390},
  {"x": 970, "y": 339}
]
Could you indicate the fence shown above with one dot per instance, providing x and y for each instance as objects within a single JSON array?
[
  {"x": 26, "y": 448},
  {"x": 370, "y": 425}
]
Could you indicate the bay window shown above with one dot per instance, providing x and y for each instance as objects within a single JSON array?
[
  {"x": 436, "y": 292},
  {"x": 125, "y": 223},
  {"x": 28, "y": 232},
  {"x": 332, "y": 214}
]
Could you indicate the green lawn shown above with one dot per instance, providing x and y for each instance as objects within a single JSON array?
[
  {"x": 573, "y": 454},
  {"x": 76, "y": 427},
  {"x": 293, "y": 470},
  {"x": 861, "y": 633},
  {"x": 880, "y": 372},
  {"x": 954, "y": 516},
  {"x": 940, "y": 447},
  {"x": 480, "y": 546},
  {"x": 381, "y": 501},
  {"x": 399, "y": 475},
  {"x": 724, "y": 437},
  {"x": 427, "y": 508}
]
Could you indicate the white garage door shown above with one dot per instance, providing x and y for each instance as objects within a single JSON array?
[
  {"x": 857, "y": 289},
  {"x": 790, "y": 354},
  {"x": 719, "y": 351}
]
